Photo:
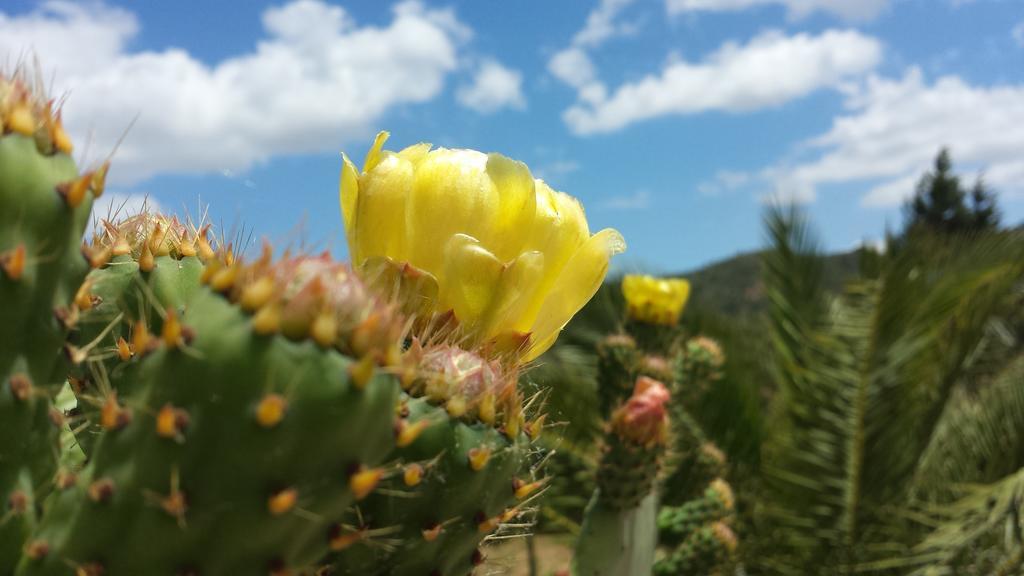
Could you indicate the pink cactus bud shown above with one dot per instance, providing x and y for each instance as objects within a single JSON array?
[{"x": 643, "y": 419}]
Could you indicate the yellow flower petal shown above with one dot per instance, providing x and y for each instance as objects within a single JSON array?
[
  {"x": 576, "y": 285},
  {"x": 380, "y": 227},
  {"x": 451, "y": 194},
  {"x": 559, "y": 229},
  {"x": 373, "y": 156},
  {"x": 415, "y": 153},
  {"x": 517, "y": 206},
  {"x": 348, "y": 192},
  {"x": 515, "y": 293},
  {"x": 470, "y": 279},
  {"x": 655, "y": 300}
]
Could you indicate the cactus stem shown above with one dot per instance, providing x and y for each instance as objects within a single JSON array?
[
  {"x": 12, "y": 262},
  {"x": 478, "y": 457},
  {"x": 364, "y": 480},
  {"x": 282, "y": 501},
  {"x": 271, "y": 410},
  {"x": 362, "y": 371}
]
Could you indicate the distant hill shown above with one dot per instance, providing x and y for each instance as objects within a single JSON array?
[{"x": 733, "y": 287}]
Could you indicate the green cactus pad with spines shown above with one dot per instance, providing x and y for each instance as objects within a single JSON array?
[
  {"x": 124, "y": 295},
  {"x": 704, "y": 552},
  {"x": 676, "y": 523},
  {"x": 124, "y": 513},
  {"x": 627, "y": 472},
  {"x": 452, "y": 495},
  {"x": 617, "y": 359},
  {"x": 40, "y": 269},
  {"x": 692, "y": 461}
]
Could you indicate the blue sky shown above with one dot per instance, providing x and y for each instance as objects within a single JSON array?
[{"x": 672, "y": 120}]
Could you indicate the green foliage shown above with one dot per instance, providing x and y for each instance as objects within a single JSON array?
[
  {"x": 862, "y": 382},
  {"x": 942, "y": 205}
]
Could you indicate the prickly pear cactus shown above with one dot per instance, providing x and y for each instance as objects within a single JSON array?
[
  {"x": 254, "y": 421},
  {"x": 44, "y": 205},
  {"x": 150, "y": 265},
  {"x": 465, "y": 470}
]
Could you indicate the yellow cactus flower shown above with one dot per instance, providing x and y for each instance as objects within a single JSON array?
[
  {"x": 655, "y": 300},
  {"x": 513, "y": 259}
]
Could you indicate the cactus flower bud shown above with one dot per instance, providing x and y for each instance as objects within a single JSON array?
[
  {"x": 643, "y": 419},
  {"x": 509, "y": 255},
  {"x": 655, "y": 300}
]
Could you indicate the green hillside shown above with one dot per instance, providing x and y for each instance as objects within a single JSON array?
[{"x": 734, "y": 287}]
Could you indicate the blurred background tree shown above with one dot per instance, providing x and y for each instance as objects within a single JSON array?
[{"x": 941, "y": 204}]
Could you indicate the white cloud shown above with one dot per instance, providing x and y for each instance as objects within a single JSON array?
[
  {"x": 724, "y": 181},
  {"x": 894, "y": 128},
  {"x": 602, "y": 25},
  {"x": 315, "y": 80},
  {"x": 768, "y": 71},
  {"x": 892, "y": 192},
  {"x": 556, "y": 169},
  {"x": 494, "y": 87},
  {"x": 1018, "y": 34},
  {"x": 638, "y": 200},
  {"x": 572, "y": 65},
  {"x": 859, "y": 10}
]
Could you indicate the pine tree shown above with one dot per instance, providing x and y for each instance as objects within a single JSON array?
[{"x": 940, "y": 203}]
